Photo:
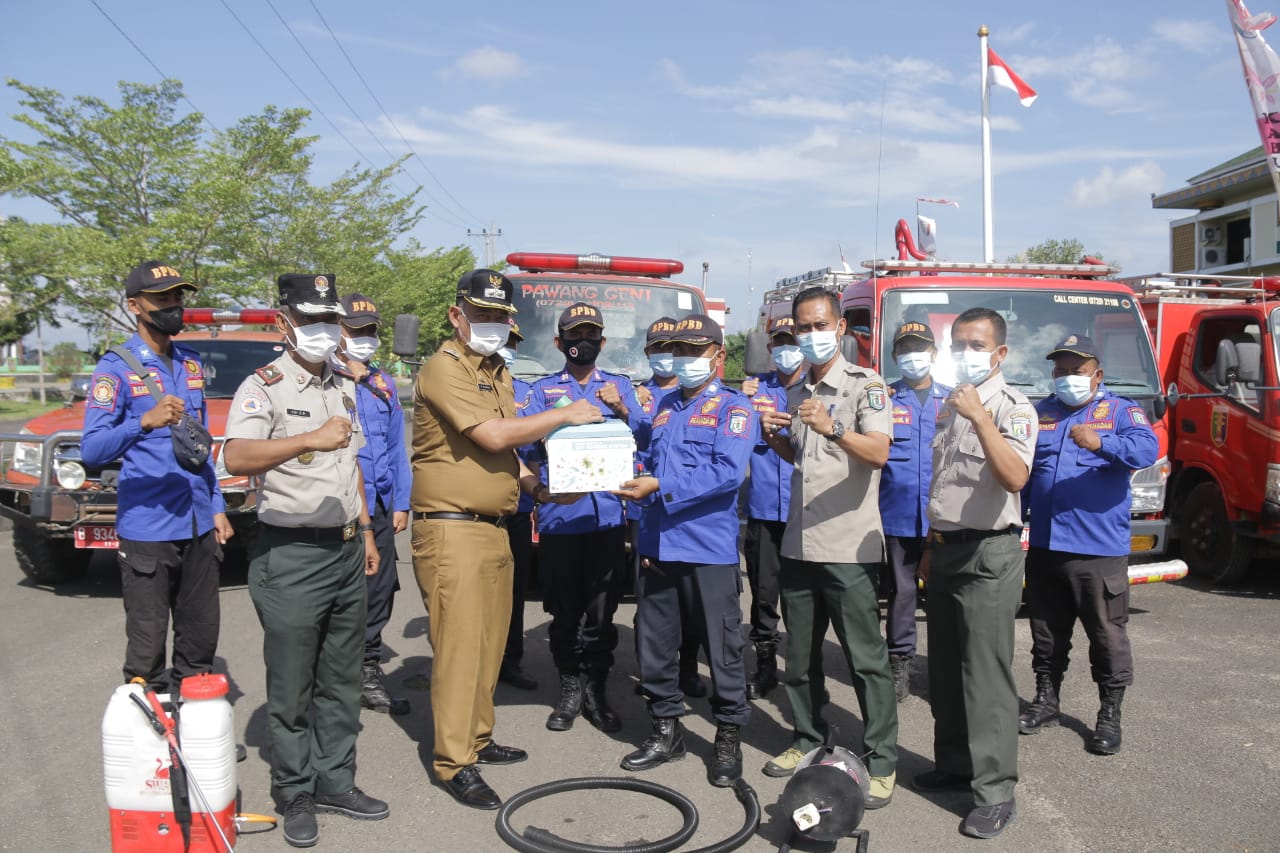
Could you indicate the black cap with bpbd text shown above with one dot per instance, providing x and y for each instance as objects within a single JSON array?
[
  {"x": 660, "y": 331},
  {"x": 1074, "y": 345},
  {"x": 913, "y": 329},
  {"x": 361, "y": 311},
  {"x": 580, "y": 314},
  {"x": 154, "y": 277},
  {"x": 697, "y": 329}
]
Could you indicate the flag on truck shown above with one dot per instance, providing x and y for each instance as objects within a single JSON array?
[{"x": 1262, "y": 77}]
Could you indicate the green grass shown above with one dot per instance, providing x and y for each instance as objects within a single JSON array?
[{"x": 14, "y": 410}]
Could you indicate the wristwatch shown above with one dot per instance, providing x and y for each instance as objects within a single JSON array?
[{"x": 837, "y": 431}]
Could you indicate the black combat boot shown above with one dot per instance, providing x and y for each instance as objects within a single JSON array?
[
  {"x": 766, "y": 674},
  {"x": 726, "y": 764},
  {"x": 901, "y": 666},
  {"x": 570, "y": 704},
  {"x": 374, "y": 695},
  {"x": 1043, "y": 710},
  {"x": 595, "y": 707},
  {"x": 665, "y": 744},
  {"x": 1106, "y": 735}
]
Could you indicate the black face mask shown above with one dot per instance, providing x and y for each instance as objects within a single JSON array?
[
  {"x": 166, "y": 321},
  {"x": 582, "y": 352}
]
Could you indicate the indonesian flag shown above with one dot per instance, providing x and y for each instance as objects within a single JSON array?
[
  {"x": 928, "y": 229},
  {"x": 1002, "y": 75}
]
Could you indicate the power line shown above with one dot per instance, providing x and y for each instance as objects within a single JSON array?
[
  {"x": 143, "y": 54},
  {"x": 352, "y": 109},
  {"x": 387, "y": 115}
]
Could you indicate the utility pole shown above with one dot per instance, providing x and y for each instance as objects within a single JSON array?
[
  {"x": 490, "y": 235},
  {"x": 706, "y": 266}
]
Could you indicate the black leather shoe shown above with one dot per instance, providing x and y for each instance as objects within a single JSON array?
[
  {"x": 512, "y": 674},
  {"x": 570, "y": 704},
  {"x": 374, "y": 694},
  {"x": 241, "y": 753},
  {"x": 494, "y": 753},
  {"x": 726, "y": 765},
  {"x": 665, "y": 744},
  {"x": 300, "y": 828},
  {"x": 940, "y": 780},
  {"x": 595, "y": 706},
  {"x": 353, "y": 803},
  {"x": 468, "y": 788}
]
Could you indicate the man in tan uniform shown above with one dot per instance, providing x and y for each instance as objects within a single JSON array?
[
  {"x": 466, "y": 478},
  {"x": 294, "y": 424},
  {"x": 982, "y": 452},
  {"x": 833, "y": 546}
]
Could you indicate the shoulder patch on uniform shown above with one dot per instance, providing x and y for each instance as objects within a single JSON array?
[
  {"x": 270, "y": 374},
  {"x": 251, "y": 404},
  {"x": 875, "y": 395},
  {"x": 661, "y": 418},
  {"x": 738, "y": 420},
  {"x": 104, "y": 393},
  {"x": 710, "y": 405},
  {"x": 1020, "y": 425},
  {"x": 193, "y": 366},
  {"x": 1138, "y": 416},
  {"x": 1101, "y": 410}
]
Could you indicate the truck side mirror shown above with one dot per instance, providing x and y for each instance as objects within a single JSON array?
[
  {"x": 1249, "y": 366},
  {"x": 405, "y": 341},
  {"x": 1227, "y": 365},
  {"x": 757, "y": 359},
  {"x": 1172, "y": 395}
]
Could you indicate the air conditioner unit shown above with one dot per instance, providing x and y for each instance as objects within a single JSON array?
[
  {"x": 1213, "y": 257},
  {"x": 1211, "y": 235}
]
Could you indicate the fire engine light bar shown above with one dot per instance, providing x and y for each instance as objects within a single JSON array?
[
  {"x": 243, "y": 316},
  {"x": 559, "y": 262},
  {"x": 1081, "y": 270}
]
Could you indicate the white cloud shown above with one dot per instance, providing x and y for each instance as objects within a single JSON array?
[
  {"x": 1196, "y": 36},
  {"x": 1109, "y": 186},
  {"x": 491, "y": 63}
]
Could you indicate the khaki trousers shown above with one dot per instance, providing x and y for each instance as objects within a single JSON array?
[{"x": 464, "y": 570}]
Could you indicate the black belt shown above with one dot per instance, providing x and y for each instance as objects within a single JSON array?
[
  {"x": 955, "y": 537},
  {"x": 345, "y": 533},
  {"x": 495, "y": 520}
]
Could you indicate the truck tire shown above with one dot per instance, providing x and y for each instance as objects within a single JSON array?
[
  {"x": 46, "y": 560},
  {"x": 1213, "y": 549}
]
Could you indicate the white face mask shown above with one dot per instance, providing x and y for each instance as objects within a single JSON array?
[
  {"x": 361, "y": 348},
  {"x": 488, "y": 338},
  {"x": 1074, "y": 390},
  {"x": 972, "y": 367},
  {"x": 316, "y": 341},
  {"x": 818, "y": 347},
  {"x": 787, "y": 358},
  {"x": 914, "y": 365},
  {"x": 663, "y": 365},
  {"x": 508, "y": 356},
  {"x": 693, "y": 370}
]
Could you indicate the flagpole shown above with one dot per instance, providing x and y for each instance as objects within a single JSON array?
[{"x": 988, "y": 240}]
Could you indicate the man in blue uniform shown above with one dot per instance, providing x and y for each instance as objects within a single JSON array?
[
  {"x": 582, "y": 546},
  {"x": 695, "y": 463},
  {"x": 768, "y": 497},
  {"x": 520, "y": 535},
  {"x": 384, "y": 464},
  {"x": 172, "y": 523},
  {"x": 1090, "y": 441},
  {"x": 904, "y": 490}
]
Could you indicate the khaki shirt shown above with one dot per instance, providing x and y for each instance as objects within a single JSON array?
[
  {"x": 965, "y": 494},
  {"x": 457, "y": 390},
  {"x": 315, "y": 489},
  {"x": 834, "y": 516}
]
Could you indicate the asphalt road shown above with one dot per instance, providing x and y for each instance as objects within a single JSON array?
[{"x": 1198, "y": 770}]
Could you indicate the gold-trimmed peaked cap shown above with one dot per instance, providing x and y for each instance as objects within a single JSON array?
[
  {"x": 487, "y": 289},
  {"x": 310, "y": 293}
]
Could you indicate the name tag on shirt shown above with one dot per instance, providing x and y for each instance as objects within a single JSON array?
[{"x": 298, "y": 413}]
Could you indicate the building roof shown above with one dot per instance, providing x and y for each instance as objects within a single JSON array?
[{"x": 1241, "y": 177}]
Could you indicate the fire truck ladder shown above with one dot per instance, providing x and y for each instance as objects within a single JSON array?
[{"x": 1049, "y": 270}]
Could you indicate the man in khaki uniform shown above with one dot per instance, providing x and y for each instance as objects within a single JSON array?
[
  {"x": 982, "y": 452},
  {"x": 833, "y": 547},
  {"x": 294, "y": 424},
  {"x": 466, "y": 478}
]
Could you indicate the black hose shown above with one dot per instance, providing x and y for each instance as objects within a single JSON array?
[{"x": 538, "y": 840}]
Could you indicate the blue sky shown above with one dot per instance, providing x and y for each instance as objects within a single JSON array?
[{"x": 744, "y": 134}]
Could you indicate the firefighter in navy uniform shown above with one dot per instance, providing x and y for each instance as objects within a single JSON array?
[
  {"x": 294, "y": 424},
  {"x": 520, "y": 534},
  {"x": 904, "y": 490},
  {"x": 384, "y": 465},
  {"x": 1090, "y": 441},
  {"x": 689, "y": 582},
  {"x": 582, "y": 546},
  {"x": 768, "y": 500},
  {"x": 172, "y": 522}
]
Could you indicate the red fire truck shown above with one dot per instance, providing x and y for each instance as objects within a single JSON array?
[
  {"x": 1215, "y": 340},
  {"x": 1042, "y": 304}
]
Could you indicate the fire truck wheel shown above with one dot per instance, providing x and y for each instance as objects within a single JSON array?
[
  {"x": 1210, "y": 545},
  {"x": 46, "y": 560}
]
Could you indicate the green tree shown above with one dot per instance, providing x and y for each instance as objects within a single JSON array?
[
  {"x": 29, "y": 286},
  {"x": 1054, "y": 252},
  {"x": 735, "y": 355},
  {"x": 232, "y": 209},
  {"x": 65, "y": 359}
]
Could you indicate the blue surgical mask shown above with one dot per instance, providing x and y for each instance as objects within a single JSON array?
[
  {"x": 662, "y": 364},
  {"x": 692, "y": 370},
  {"x": 914, "y": 365},
  {"x": 818, "y": 347},
  {"x": 508, "y": 356},
  {"x": 972, "y": 367},
  {"x": 787, "y": 358},
  {"x": 1074, "y": 390}
]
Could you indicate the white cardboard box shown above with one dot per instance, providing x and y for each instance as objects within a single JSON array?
[{"x": 590, "y": 458}]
